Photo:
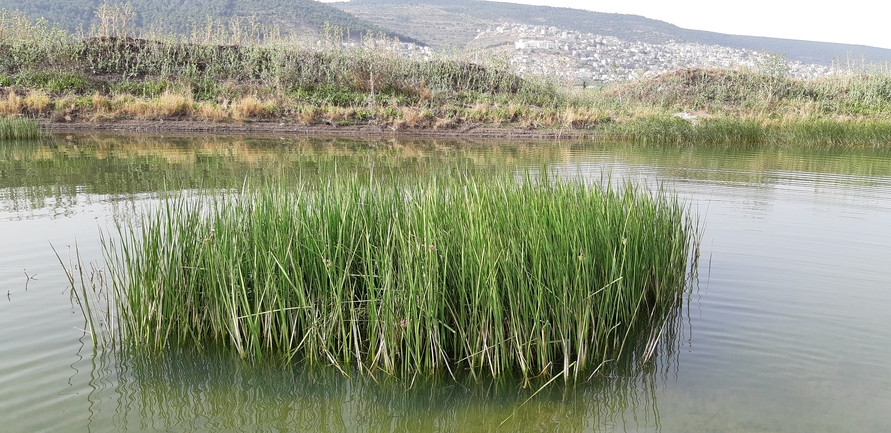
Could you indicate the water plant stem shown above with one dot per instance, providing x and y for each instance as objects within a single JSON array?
[{"x": 487, "y": 275}]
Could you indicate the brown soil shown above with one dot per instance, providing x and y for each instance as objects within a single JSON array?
[{"x": 481, "y": 131}]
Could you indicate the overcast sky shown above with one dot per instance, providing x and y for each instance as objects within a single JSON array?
[{"x": 861, "y": 22}]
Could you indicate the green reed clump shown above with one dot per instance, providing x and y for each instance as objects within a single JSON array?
[
  {"x": 19, "y": 129},
  {"x": 490, "y": 276},
  {"x": 667, "y": 129},
  {"x": 833, "y": 133},
  {"x": 805, "y": 132}
]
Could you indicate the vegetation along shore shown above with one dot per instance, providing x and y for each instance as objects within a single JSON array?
[
  {"x": 248, "y": 79},
  {"x": 446, "y": 273}
]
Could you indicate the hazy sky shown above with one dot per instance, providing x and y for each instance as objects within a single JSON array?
[{"x": 861, "y": 22}]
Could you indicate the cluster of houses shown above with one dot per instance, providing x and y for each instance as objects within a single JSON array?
[{"x": 591, "y": 58}]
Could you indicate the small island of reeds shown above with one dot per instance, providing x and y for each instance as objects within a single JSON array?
[{"x": 453, "y": 274}]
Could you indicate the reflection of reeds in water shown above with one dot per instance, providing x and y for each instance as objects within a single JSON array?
[
  {"x": 449, "y": 274},
  {"x": 761, "y": 164},
  {"x": 184, "y": 390},
  {"x": 55, "y": 170}
]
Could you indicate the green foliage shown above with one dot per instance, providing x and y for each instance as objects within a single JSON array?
[
  {"x": 148, "y": 88},
  {"x": 19, "y": 129},
  {"x": 205, "y": 89},
  {"x": 678, "y": 131},
  {"x": 295, "y": 17},
  {"x": 25, "y": 43},
  {"x": 540, "y": 277},
  {"x": 723, "y": 131},
  {"x": 833, "y": 133},
  {"x": 54, "y": 81},
  {"x": 371, "y": 83},
  {"x": 848, "y": 93},
  {"x": 339, "y": 96},
  {"x": 214, "y": 70}
]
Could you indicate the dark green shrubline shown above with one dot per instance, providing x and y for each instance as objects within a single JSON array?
[{"x": 451, "y": 274}]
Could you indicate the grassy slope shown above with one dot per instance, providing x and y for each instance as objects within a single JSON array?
[
  {"x": 305, "y": 17},
  {"x": 468, "y": 15}
]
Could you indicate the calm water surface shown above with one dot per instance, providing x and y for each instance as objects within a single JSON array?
[{"x": 786, "y": 329}]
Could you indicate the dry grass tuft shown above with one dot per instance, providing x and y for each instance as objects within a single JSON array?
[
  {"x": 250, "y": 106},
  {"x": 448, "y": 122},
  {"x": 101, "y": 103},
  {"x": 36, "y": 101},
  {"x": 167, "y": 105},
  {"x": 413, "y": 117},
  {"x": 12, "y": 105},
  {"x": 307, "y": 115},
  {"x": 212, "y": 112},
  {"x": 581, "y": 117}
]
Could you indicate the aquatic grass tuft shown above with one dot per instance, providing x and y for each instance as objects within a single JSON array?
[
  {"x": 723, "y": 131},
  {"x": 19, "y": 129},
  {"x": 486, "y": 276}
]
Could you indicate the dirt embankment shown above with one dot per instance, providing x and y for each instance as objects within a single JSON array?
[{"x": 193, "y": 126}]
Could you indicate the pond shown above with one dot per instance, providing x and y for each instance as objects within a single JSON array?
[{"x": 785, "y": 329}]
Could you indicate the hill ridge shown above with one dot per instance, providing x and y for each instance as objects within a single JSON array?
[{"x": 632, "y": 28}]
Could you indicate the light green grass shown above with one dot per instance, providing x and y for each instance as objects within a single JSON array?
[
  {"x": 19, "y": 129},
  {"x": 451, "y": 274},
  {"x": 724, "y": 130}
]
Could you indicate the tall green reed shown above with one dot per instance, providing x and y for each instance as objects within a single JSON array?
[
  {"x": 19, "y": 129},
  {"x": 493, "y": 277},
  {"x": 723, "y": 131}
]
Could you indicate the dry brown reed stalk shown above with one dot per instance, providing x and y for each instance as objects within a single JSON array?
[
  {"x": 340, "y": 114},
  {"x": 414, "y": 117},
  {"x": 168, "y": 105},
  {"x": 212, "y": 112},
  {"x": 12, "y": 105},
  {"x": 36, "y": 101},
  {"x": 514, "y": 112},
  {"x": 447, "y": 122},
  {"x": 587, "y": 117},
  {"x": 424, "y": 93},
  {"x": 102, "y": 107},
  {"x": 100, "y": 102},
  {"x": 481, "y": 112},
  {"x": 307, "y": 115},
  {"x": 250, "y": 106}
]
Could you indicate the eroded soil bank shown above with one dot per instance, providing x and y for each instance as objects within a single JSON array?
[{"x": 193, "y": 126}]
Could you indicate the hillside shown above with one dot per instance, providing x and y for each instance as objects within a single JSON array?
[
  {"x": 301, "y": 17},
  {"x": 455, "y": 23}
]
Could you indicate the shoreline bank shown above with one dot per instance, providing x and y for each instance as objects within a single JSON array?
[
  {"x": 480, "y": 131},
  {"x": 654, "y": 129}
]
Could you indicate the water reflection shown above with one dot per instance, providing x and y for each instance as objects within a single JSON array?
[
  {"x": 58, "y": 172},
  {"x": 181, "y": 390},
  {"x": 790, "y": 324},
  {"x": 56, "y": 175}
]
